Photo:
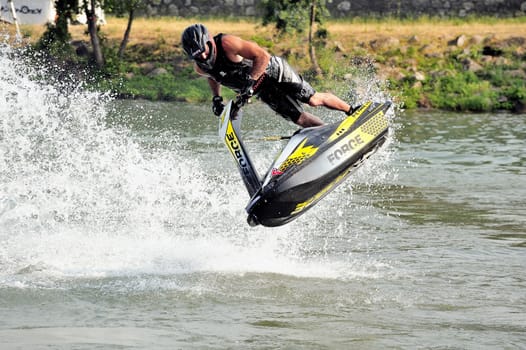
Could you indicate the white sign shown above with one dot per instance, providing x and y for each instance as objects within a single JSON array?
[
  {"x": 28, "y": 12},
  {"x": 38, "y": 12}
]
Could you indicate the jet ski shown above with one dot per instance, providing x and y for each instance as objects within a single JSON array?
[{"x": 313, "y": 162}]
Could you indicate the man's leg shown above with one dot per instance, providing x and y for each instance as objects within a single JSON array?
[
  {"x": 307, "y": 120},
  {"x": 329, "y": 100}
]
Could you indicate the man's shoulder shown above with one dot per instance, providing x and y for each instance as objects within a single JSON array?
[
  {"x": 219, "y": 35},
  {"x": 230, "y": 41}
]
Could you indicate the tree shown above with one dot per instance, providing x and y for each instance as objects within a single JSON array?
[
  {"x": 120, "y": 8},
  {"x": 57, "y": 34},
  {"x": 294, "y": 16},
  {"x": 312, "y": 50},
  {"x": 66, "y": 9},
  {"x": 89, "y": 9}
]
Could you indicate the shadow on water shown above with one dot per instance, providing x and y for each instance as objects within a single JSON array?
[{"x": 465, "y": 170}]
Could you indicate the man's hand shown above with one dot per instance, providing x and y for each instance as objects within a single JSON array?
[
  {"x": 252, "y": 87},
  {"x": 217, "y": 105},
  {"x": 248, "y": 90}
]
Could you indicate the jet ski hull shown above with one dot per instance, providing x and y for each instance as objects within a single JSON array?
[{"x": 313, "y": 163}]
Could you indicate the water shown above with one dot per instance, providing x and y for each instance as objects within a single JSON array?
[{"x": 122, "y": 226}]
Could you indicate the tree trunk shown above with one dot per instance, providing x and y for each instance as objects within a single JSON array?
[
  {"x": 93, "y": 33},
  {"x": 312, "y": 49},
  {"x": 126, "y": 37},
  {"x": 63, "y": 8}
]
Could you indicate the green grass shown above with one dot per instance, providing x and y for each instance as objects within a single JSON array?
[{"x": 447, "y": 84}]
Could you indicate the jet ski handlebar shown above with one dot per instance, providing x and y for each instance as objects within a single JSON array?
[
  {"x": 240, "y": 100},
  {"x": 237, "y": 103}
]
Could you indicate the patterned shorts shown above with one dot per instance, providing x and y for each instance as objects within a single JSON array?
[{"x": 284, "y": 89}]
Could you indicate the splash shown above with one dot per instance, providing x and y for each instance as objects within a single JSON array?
[
  {"x": 61, "y": 165},
  {"x": 75, "y": 190},
  {"x": 82, "y": 197}
]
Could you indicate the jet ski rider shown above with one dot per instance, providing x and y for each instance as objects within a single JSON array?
[{"x": 249, "y": 70}]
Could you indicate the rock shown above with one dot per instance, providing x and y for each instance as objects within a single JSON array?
[
  {"x": 146, "y": 67},
  {"x": 496, "y": 61},
  {"x": 423, "y": 102},
  {"x": 419, "y": 76},
  {"x": 502, "y": 61},
  {"x": 417, "y": 85},
  {"x": 411, "y": 62},
  {"x": 338, "y": 47},
  {"x": 413, "y": 40},
  {"x": 398, "y": 75},
  {"x": 471, "y": 65},
  {"x": 487, "y": 60},
  {"x": 388, "y": 72},
  {"x": 157, "y": 71},
  {"x": 476, "y": 40},
  {"x": 384, "y": 43},
  {"x": 250, "y": 11},
  {"x": 519, "y": 106},
  {"x": 431, "y": 51},
  {"x": 520, "y": 52},
  {"x": 517, "y": 73},
  {"x": 344, "y": 6},
  {"x": 490, "y": 39},
  {"x": 459, "y": 41},
  {"x": 468, "y": 6},
  {"x": 151, "y": 10},
  {"x": 173, "y": 10},
  {"x": 392, "y": 61},
  {"x": 515, "y": 41},
  {"x": 81, "y": 48}
]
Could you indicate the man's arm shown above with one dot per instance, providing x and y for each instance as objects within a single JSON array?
[
  {"x": 236, "y": 49},
  {"x": 214, "y": 85},
  {"x": 217, "y": 100}
]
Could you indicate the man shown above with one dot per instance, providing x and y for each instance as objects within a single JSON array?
[{"x": 249, "y": 70}]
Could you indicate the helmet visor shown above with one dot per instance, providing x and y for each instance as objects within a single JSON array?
[
  {"x": 205, "y": 58},
  {"x": 196, "y": 53}
]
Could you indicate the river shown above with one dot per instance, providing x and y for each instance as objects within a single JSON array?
[{"x": 122, "y": 225}]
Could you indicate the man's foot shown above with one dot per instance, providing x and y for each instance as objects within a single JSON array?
[{"x": 353, "y": 109}]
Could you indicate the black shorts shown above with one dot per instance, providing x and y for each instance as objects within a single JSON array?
[{"x": 283, "y": 89}]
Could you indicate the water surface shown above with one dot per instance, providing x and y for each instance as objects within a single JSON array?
[{"x": 122, "y": 226}]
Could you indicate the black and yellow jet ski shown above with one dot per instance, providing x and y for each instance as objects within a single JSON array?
[{"x": 314, "y": 161}]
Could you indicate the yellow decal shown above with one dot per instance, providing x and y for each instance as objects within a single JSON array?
[
  {"x": 234, "y": 145},
  {"x": 298, "y": 156},
  {"x": 324, "y": 191},
  {"x": 356, "y": 140},
  {"x": 231, "y": 138},
  {"x": 376, "y": 125},
  {"x": 348, "y": 122}
]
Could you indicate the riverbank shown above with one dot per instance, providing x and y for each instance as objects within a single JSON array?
[{"x": 474, "y": 64}]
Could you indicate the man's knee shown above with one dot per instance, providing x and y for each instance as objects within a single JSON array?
[{"x": 316, "y": 100}]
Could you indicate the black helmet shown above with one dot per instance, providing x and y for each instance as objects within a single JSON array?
[{"x": 195, "y": 39}]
